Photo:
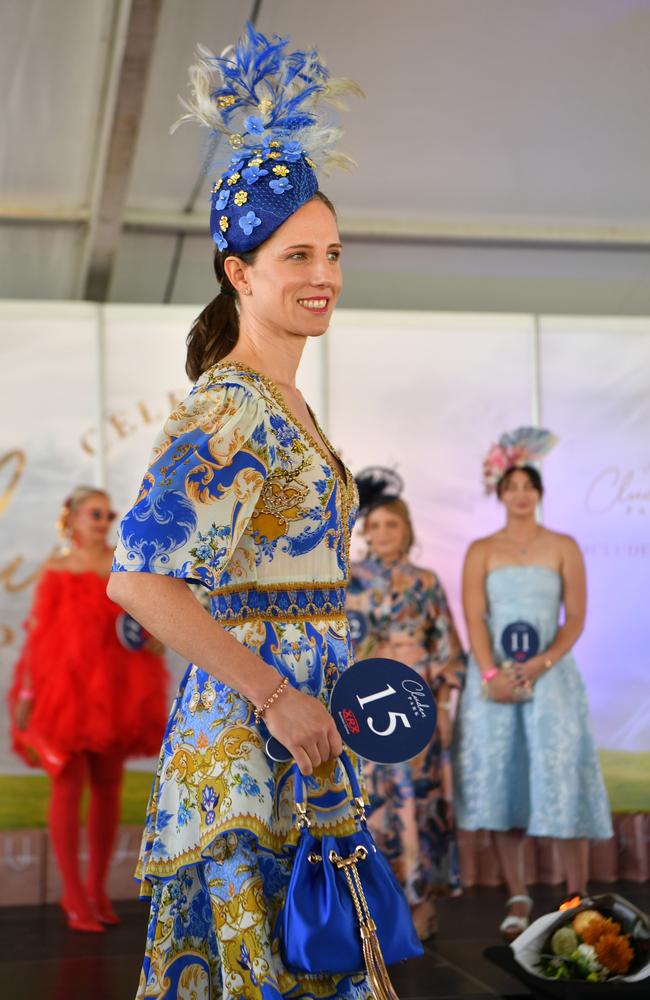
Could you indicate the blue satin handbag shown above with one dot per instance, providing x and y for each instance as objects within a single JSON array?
[{"x": 345, "y": 911}]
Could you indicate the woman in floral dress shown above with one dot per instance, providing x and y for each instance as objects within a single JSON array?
[
  {"x": 400, "y": 611},
  {"x": 245, "y": 496}
]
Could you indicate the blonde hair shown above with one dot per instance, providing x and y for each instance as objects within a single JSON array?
[
  {"x": 399, "y": 507},
  {"x": 73, "y": 502}
]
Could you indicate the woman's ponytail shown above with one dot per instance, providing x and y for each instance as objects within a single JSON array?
[{"x": 215, "y": 331}]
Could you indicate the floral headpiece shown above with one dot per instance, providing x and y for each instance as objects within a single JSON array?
[
  {"x": 524, "y": 446},
  {"x": 377, "y": 486},
  {"x": 274, "y": 109}
]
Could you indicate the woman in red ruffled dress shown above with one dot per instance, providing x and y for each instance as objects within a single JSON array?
[{"x": 82, "y": 702}]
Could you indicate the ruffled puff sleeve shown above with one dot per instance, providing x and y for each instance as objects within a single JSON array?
[
  {"x": 205, "y": 477},
  {"x": 447, "y": 659}
]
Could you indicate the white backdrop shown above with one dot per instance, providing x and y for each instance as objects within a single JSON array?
[{"x": 424, "y": 392}]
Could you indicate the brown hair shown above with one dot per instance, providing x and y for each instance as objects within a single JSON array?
[
  {"x": 215, "y": 331},
  {"x": 534, "y": 478},
  {"x": 398, "y": 507}
]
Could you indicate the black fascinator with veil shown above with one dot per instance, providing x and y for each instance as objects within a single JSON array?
[{"x": 377, "y": 486}]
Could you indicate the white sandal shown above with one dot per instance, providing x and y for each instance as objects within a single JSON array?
[{"x": 512, "y": 926}]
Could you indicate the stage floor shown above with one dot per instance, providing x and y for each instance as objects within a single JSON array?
[{"x": 41, "y": 960}]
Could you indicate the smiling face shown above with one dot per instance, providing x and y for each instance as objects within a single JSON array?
[
  {"x": 295, "y": 280},
  {"x": 387, "y": 533},
  {"x": 519, "y": 495}
]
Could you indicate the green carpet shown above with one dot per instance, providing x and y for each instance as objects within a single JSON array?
[
  {"x": 627, "y": 776},
  {"x": 23, "y": 799}
]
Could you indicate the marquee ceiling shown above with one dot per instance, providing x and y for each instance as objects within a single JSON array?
[{"x": 499, "y": 140}]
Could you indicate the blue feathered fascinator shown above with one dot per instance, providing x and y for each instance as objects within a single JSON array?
[{"x": 276, "y": 109}]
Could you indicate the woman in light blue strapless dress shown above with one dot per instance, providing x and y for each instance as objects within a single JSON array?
[{"x": 525, "y": 760}]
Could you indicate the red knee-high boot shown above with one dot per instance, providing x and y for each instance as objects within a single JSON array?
[
  {"x": 65, "y": 801},
  {"x": 103, "y": 817}
]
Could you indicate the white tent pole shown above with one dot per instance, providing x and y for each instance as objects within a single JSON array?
[
  {"x": 536, "y": 390},
  {"x": 100, "y": 398}
]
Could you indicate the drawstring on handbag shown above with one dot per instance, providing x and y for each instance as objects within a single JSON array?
[
  {"x": 361, "y": 921},
  {"x": 376, "y": 970},
  {"x": 380, "y": 983}
]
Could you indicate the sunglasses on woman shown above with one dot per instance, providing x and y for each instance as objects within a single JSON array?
[{"x": 100, "y": 515}]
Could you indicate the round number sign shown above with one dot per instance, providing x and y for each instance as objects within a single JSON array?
[
  {"x": 130, "y": 632},
  {"x": 358, "y": 626},
  {"x": 520, "y": 641},
  {"x": 383, "y": 710}
]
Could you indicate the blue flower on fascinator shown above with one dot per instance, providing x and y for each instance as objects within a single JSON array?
[
  {"x": 249, "y": 222},
  {"x": 292, "y": 152},
  {"x": 252, "y": 174},
  {"x": 222, "y": 244},
  {"x": 254, "y": 125},
  {"x": 275, "y": 109},
  {"x": 222, "y": 199},
  {"x": 280, "y": 185}
]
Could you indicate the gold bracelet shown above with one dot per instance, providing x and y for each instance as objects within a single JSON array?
[{"x": 259, "y": 712}]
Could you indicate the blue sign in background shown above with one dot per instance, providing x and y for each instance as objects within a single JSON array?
[
  {"x": 130, "y": 632},
  {"x": 383, "y": 710},
  {"x": 358, "y": 626},
  {"x": 520, "y": 641}
]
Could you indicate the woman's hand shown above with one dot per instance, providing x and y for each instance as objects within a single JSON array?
[
  {"x": 501, "y": 688},
  {"x": 531, "y": 671},
  {"x": 22, "y": 713},
  {"x": 304, "y": 726}
]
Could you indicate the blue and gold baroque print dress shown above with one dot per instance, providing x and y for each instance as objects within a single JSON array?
[{"x": 239, "y": 498}]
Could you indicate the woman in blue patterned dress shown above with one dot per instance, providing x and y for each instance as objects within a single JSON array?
[
  {"x": 525, "y": 760},
  {"x": 400, "y": 610},
  {"x": 245, "y": 496}
]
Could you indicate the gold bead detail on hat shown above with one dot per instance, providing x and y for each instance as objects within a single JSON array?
[
  {"x": 216, "y": 185},
  {"x": 265, "y": 105},
  {"x": 255, "y": 162},
  {"x": 281, "y": 170},
  {"x": 233, "y": 178},
  {"x": 225, "y": 101},
  {"x": 241, "y": 198},
  {"x": 274, "y": 156},
  {"x": 275, "y": 142},
  {"x": 310, "y": 163},
  {"x": 236, "y": 140},
  {"x": 223, "y": 223}
]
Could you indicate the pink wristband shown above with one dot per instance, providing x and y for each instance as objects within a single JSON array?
[
  {"x": 489, "y": 675},
  {"x": 25, "y": 694}
]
